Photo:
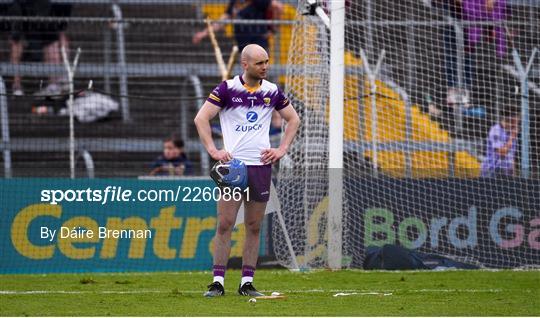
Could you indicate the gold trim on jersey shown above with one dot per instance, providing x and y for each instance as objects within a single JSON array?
[
  {"x": 214, "y": 97},
  {"x": 251, "y": 90}
]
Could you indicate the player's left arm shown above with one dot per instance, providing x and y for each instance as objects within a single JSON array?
[{"x": 272, "y": 155}]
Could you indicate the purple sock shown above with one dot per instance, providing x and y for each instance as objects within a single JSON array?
[
  {"x": 219, "y": 270},
  {"x": 248, "y": 271}
]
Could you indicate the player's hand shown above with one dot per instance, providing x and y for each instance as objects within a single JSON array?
[
  {"x": 272, "y": 155},
  {"x": 156, "y": 170},
  {"x": 221, "y": 155},
  {"x": 197, "y": 37},
  {"x": 179, "y": 170}
]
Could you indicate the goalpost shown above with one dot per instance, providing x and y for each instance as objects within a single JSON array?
[
  {"x": 393, "y": 134},
  {"x": 335, "y": 171}
]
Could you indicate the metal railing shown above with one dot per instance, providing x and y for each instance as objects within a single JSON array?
[
  {"x": 190, "y": 73},
  {"x": 150, "y": 2},
  {"x": 195, "y": 83},
  {"x": 9, "y": 144},
  {"x": 4, "y": 120},
  {"x": 88, "y": 163}
]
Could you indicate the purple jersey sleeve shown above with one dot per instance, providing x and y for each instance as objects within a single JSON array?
[
  {"x": 281, "y": 101},
  {"x": 496, "y": 137},
  {"x": 219, "y": 95}
]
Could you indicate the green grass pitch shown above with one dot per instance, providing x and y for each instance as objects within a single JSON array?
[{"x": 408, "y": 293}]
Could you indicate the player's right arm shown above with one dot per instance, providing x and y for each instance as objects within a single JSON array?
[
  {"x": 501, "y": 146},
  {"x": 199, "y": 36},
  {"x": 202, "y": 121}
]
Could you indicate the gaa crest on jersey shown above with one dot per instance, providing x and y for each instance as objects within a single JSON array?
[{"x": 266, "y": 101}]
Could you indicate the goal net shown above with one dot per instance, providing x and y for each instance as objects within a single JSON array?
[{"x": 440, "y": 142}]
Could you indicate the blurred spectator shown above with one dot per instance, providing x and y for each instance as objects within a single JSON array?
[
  {"x": 501, "y": 146},
  {"x": 5, "y": 26},
  {"x": 174, "y": 161},
  {"x": 250, "y": 34},
  {"x": 463, "y": 14},
  {"x": 485, "y": 10},
  {"x": 248, "y": 10},
  {"x": 35, "y": 37},
  {"x": 469, "y": 11},
  {"x": 455, "y": 93}
]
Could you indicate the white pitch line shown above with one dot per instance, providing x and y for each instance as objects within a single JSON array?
[
  {"x": 457, "y": 290},
  {"x": 362, "y": 294},
  {"x": 375, "y": 292},
  {"x": 77, "y": 292},
  {"x": 332, "y": 291}
]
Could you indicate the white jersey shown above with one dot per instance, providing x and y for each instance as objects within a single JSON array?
[{"x": 246, "y": 116}]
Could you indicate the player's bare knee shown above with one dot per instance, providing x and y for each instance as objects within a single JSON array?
[
  {"x": 253, "y": 232},
  {"x": 253, "y": 227},
  {"x": 224, "y": 228}
]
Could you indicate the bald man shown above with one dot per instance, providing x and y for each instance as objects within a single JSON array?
[{"x": 245, "y": 104}]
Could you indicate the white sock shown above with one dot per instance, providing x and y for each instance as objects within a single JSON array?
[
  {"x": 220, "y": 279},
  {"x": 246, "y": 279}
]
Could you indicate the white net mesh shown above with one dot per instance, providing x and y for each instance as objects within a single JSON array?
[
  {"x": 433, "y": 157},
  {"x": 303, "y": 175}
]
